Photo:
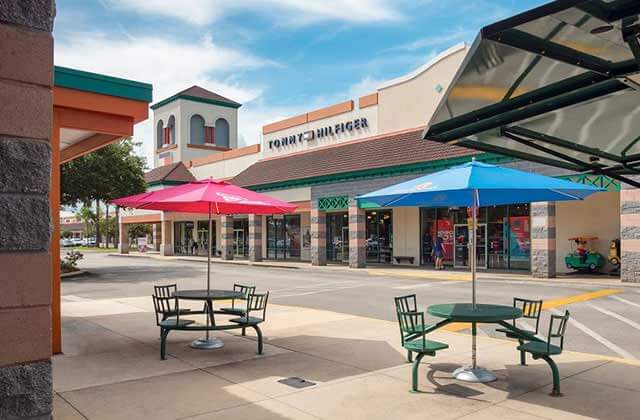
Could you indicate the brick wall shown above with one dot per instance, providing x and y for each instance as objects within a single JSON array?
[{"x": 26, "y": 66}]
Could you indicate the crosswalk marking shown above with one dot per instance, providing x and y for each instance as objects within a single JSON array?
[
  {"x": 621, "y": 352},
  {"x": 628, "y": 302},
  {"x": 616, "y": 316}
]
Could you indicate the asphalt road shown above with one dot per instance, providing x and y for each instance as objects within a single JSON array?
[{"x": 608, "y": 325}]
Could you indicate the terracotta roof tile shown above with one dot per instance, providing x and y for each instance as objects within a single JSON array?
[
  {"x": 398, "y": 148},
  {"x": 173, "y": 172}
]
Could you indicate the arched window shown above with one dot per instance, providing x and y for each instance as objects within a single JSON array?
[
  {"x": 159, "y": 135},
  {"x": 222, "y": 132},
  {"x": 172, "y": 130},
  {"x": 196, "y": 130}
]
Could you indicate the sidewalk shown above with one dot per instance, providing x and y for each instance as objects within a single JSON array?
[
  {"x": 111, "y": 370},
  {"x": 418, "y": 273}
]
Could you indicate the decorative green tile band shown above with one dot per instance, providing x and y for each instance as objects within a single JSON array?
[
  {"x": 340, "y": 202},
  {"x": 601, "y": 181}
]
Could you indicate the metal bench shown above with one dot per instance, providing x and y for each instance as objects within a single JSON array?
[
  {"x": 239, "y": 305},
  {"x": 413, "y": 333},
  {"x": 544, "y": 350},
  {"x": 400, "y": 258},
  {"x": 531, "y": 309}
]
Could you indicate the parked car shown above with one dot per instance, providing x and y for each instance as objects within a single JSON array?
[
  {"x": 90, "y": 242},
  {"x": 77, "y": 241},
  {"x": 66, "y": 242}
]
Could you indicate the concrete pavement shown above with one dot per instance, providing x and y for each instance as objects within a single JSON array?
[{"x": 111, "y": 370}]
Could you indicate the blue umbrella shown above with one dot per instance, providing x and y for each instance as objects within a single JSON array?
[{"x": 476, "y": 184}]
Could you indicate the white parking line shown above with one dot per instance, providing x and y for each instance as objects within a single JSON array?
[
  {"x": 621, "y": 352},
  {"x": 616, "y": 316},
  {"x": 422, "y": 285},
  {"x": 313, "y": 292},
  {"x": 628, "y": 302}
]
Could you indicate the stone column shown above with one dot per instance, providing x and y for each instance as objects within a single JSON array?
[
  {"x": 157, "y": 236},
  {"x": 226, "y": 237},
  {"x": 630, "y": 235},
  {"x": 357, "y": 235},
  {"x": 123, "y": 235},
  {"x": 166, "y": 244},
  {"x": 255, "y": 238},
  {"x": 543, "y": 239},
  {"x": 318, "y": 235},
  {"x": 29, "y": 209}
]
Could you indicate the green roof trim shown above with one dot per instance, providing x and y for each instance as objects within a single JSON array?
[
  {"x": 194, "y": 99},
  {"x": 104, "y": 85},
  {"x": 600, "y": 181},
  {"x": 417, "y": 168}
]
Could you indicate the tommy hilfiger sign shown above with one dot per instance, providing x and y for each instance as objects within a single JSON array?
[{"x": 328, "y": 131}]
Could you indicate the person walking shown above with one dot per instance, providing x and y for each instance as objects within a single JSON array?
[{"x": 438, "y": 253}]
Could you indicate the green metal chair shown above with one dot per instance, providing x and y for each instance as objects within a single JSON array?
[
  {"x": 410, "y": 322},
  {"x": 256, "y": 302},
  {"x": 531, "y": 309},
  {"x": 407, "y": 303},
  {"x": 239, "y": 305},
  {"x": 544, "y": 350},
  {"x": 169, "y": 291},
  {"x": 164, "y": 305}
]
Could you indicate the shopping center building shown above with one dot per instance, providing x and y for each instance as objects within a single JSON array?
[{"x": 322, "y": 159}]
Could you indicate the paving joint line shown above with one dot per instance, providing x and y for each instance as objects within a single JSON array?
[{"x": 71, "y": 405}]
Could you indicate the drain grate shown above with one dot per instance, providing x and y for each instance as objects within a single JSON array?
[{"x": 296, "y": 382}]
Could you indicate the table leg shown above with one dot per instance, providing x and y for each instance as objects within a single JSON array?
[
  {"x": 208, "y": 342},
  {"x": 474, "y": 373}
]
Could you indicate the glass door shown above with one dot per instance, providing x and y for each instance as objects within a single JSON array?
[
  {"x": 345, "y": 244},
  {"x": 283, "y": 237},
  {"x": 238, "y": 242},
  {"x": 203, "y": 237},
  {"x": 461, "y": 254}
]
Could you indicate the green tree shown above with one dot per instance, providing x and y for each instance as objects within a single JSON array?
[
  {"x": 66, "y": 234},
  {"x": 88, "y": 217},
  {"x": 137, "y": 230},
  {"x": 106, "y": 174}
]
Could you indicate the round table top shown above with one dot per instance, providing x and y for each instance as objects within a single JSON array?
[
  {"x": 213, "y": 294},
  {"x": 464, "y": 312}
]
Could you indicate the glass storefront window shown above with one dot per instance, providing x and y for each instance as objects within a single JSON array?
[
  {"x": 338, "y": 237},
  {"x": 283, "y": 237},
  {"x": 504, "y": 238},
  {"x": 379, "y": 242},
  {"x": 203, "y": 237},
  {"x": 183, "y": 243}
]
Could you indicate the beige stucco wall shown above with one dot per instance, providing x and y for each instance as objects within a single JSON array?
[
  {"x": 598, "y": 215},
  {"x": 409, "y": 101},
  {"x": 406, "y": 233},
  {"x": 224, "y": 169},
  {"x": 292, "y": 194}
]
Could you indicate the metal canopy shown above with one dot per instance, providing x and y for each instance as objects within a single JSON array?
[{"x": 558, "y": 85}]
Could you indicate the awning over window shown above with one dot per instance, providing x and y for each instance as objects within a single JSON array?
[{"x": 559, "y": 84}]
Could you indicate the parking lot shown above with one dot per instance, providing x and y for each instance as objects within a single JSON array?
[{"x": 605, "y": 320}]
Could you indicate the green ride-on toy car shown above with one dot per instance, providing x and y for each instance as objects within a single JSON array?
[{"x": 582, "y": 258}]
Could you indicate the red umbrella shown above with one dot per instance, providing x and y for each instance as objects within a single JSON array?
[{"x": 210, "y": 197}]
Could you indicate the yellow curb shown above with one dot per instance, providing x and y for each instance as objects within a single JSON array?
[
  {"x": 550, "y": 304},
  {"x": 423, "y": 275}
]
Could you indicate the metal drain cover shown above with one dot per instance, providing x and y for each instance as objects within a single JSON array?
[{"x": 296, "y": 382}]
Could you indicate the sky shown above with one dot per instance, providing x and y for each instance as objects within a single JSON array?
[{"x": 278, "y": 58}]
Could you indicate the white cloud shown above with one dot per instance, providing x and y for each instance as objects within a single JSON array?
[
  {"x": 365, "y": 86},
  {"x": 298, "y": 12},
  {"x": 448, "y": 39},
  {"x": 169, "y": 65}
]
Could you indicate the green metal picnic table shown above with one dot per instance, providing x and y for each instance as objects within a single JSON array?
[{"x": 475, "y": 314}]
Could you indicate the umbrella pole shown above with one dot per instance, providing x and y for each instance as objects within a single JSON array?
[
  {"x": 473, "y": 261},
  {"x": 209, "y": 269}
]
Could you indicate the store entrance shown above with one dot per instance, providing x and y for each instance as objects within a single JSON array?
[
  {"x": 461, "y": 254},
  {"x": 203, "y": 237},
  {"x": 338, "y": 237},
  {"x": 283, "y": 237},
  {"x": 240, "y": 238},
  {"x": 379, "y": 243},
  {"x": 183, "y": 238}
]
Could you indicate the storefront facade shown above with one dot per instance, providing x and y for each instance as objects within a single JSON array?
[{"x": 321, "y": 160}]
